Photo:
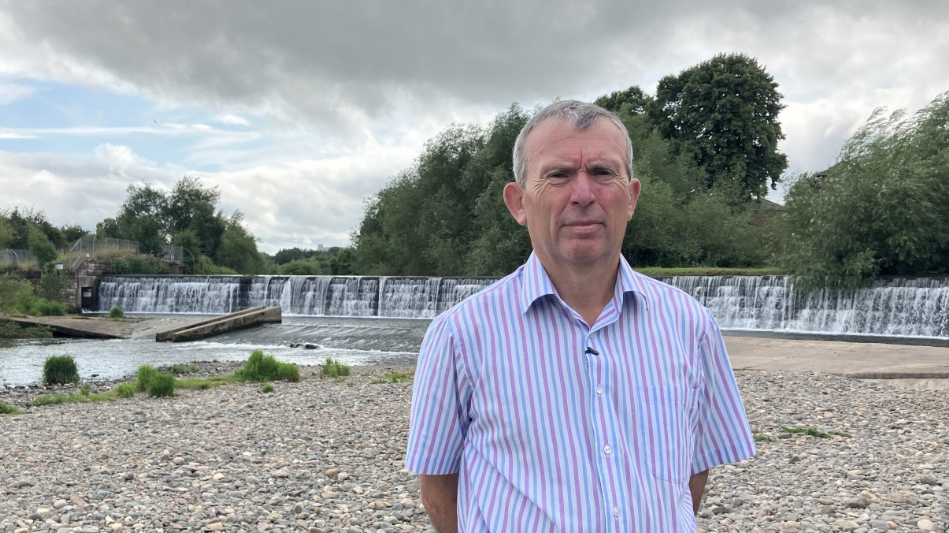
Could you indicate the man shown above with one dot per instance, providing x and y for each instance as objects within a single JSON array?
[{"x": 574, "y": 394}]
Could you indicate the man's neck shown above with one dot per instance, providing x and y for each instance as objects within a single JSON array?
[{"x": 586, "y": 290}]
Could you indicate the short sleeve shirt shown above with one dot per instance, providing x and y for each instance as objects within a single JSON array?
[{"x": 554, "y": 425}]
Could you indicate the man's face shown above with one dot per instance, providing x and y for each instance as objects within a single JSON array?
[{"x": 577, "y": 197}]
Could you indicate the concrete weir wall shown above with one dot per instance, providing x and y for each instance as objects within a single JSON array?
[{"x": 216, "y": 326}]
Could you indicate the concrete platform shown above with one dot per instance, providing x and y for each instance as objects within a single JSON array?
[
  {"x": 77, "y": 327},
  {"x": 851, "y": 359},
  {"x": 222, "y": 324}
]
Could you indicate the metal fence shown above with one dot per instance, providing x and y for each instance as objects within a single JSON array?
[
  {"x": 95, "y": 248},
  {"x": 14, "y": 258}
]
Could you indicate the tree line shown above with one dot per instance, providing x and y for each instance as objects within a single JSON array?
[{"x": 705, "y": 151}]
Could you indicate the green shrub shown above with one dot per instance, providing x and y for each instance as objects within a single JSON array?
[
  {"x": 7, "y": 409},
  {"x": 85, "y": 390},
  {"x": 15, "y": 294},
  {"x": 144, "y": 375},
  {"x": 116, "y": 312},
  {"x": 11, "y": 330},
  {"x": 59, "y": 370},
  {"x": 267, "y": 389},
  {"x": 125, "y": 390},
  {"x": 161, "y": 385},
  {"x": 52, "y": 286},
  {"x": 183, "y": 369},
  {"x": 288, "y": 372},
  {"x": 333, "y": 368},
  {"x": 138, "y": 264},
  {"x": 49, "y": 399},
  {"x": 44, "y": 307},
  {"x": 259, "y": 367}
]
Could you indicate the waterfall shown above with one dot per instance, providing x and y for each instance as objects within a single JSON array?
[
  {"x": 896, "y": 306},
  {"x": 916, "y": 307}
]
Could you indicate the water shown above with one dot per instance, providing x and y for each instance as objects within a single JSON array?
[
  {"x": 908, "y": 307},
  {"x": 351, "y": 340}
]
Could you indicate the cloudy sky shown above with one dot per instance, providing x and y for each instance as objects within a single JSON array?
[{"x": 299, "y": 111}]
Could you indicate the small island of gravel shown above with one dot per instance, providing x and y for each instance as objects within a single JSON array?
[{"x": 326, "y": 455}]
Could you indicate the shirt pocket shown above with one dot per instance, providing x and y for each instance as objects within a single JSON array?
[{"x": 666, "y": 438}]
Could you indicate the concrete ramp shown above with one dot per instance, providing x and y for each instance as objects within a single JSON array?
[{"x": 222, "y": 324}]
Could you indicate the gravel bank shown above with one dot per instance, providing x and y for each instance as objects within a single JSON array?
[{"x": 325, "y": 455}]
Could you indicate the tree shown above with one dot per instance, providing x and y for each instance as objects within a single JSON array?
[
  {"x": 880, "y": 210},
  {"x": 192, "y": 207},
  {"x": 142, "y": 219},
  {"x": 40, "y": 246},
  {"x": 6, "y": 232},
  {"x": 238, "y": 249},
  {"x": 724, "y": 114},
  {"x": 631, "y": 102}
]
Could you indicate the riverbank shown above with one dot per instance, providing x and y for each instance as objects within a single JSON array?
[{"x": 326, "y": 455}]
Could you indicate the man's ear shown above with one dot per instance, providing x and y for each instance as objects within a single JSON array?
[
  {"x": 514, "y": 200},
  {"x": 634, "y": 187}
]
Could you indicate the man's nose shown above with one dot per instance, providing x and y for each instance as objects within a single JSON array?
[{"x": 582, "y": 189}]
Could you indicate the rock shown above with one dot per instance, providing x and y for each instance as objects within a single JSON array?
[
  {"x": 845, "y": 525},
  {"x": 856, "y": 503},
  {"x": 926, "y": 525}
]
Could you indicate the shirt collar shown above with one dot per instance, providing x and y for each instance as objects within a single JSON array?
[{"x": 536, "y": 284}]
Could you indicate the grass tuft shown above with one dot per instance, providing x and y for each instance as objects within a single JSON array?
[
  {"x": 116, "y": 312},
  {"x": 288, "y": 372},
  {"x": 333, "y": 368},
  {"x": 7, "y": 409},
  {"x": 85, "y": 390},
  {"x": 144, "y": 375},
  {"x": 814, "y": 432},
  {"x": 393, "y": 377},
  {"x": 260, "y": 367},
  {"x": 183, "y": 369},
  {"x": 161, "y": 385},
  {"x": 49, "y": 399},
  {"x": 124, "y": 390},
  {"x": 60, "y": 370},
  {"x": 267, "y": 389}
]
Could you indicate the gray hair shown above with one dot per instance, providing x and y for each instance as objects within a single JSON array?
[{"x": 579, "y": 114}]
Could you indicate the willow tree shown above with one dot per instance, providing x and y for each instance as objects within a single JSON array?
[{"x": 881, "y": 209}]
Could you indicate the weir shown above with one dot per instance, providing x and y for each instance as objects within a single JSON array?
[{"x": 894, "y": 307}]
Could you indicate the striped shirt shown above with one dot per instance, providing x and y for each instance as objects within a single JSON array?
[{"x": 553, "y": 425}]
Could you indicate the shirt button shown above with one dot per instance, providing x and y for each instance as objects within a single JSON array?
[
  {"x": 599, "y": 389},
  {"x": 607, "y": 449},
  {"x": 615, "y": 511}
]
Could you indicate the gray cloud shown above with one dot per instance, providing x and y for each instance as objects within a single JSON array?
[{"x": 330, "y": 61}]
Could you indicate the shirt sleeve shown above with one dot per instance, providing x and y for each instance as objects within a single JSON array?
[
  {"x": 440, "y": 396},
  {"x": 723, "y": 435}
]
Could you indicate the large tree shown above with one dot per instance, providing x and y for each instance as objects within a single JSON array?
[
  {"x": 724, "y": 114},
  {"x": 191, "y": 207}
]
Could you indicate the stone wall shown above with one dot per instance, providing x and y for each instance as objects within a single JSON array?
[{"x": 85, "y": 276}]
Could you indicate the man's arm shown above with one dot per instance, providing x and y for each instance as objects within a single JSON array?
[
  {"x": 440, "y": 498},
  {"x": 697, "y": 488}
]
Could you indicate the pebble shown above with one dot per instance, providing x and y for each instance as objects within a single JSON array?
[{"x": 327, "y": 455}]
